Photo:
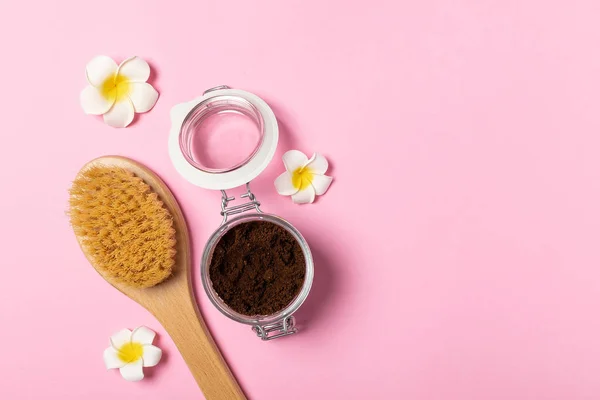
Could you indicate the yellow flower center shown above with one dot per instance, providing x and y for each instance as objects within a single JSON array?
[
  {"x": 130, "y": 352},
  {"x": 116, "y": 87},
  {"x": 302, "y": 178}
]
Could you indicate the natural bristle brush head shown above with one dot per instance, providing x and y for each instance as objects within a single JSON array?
[{"x": 123, "y": 226}]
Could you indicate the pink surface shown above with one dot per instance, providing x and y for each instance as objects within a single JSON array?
[{"x": 456, "y": 252}]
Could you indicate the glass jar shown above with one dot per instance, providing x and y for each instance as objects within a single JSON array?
[
  {"x": 266, "y": 326},
  {"x": 187, "y": 125}
]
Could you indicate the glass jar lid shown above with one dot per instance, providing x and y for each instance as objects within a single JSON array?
[{"x": 223, "y": 139}]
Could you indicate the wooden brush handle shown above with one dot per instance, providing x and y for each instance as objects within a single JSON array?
[{"x": 187, "y": 329}]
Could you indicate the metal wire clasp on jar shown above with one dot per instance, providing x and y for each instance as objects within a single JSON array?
[{"x": 187, "y": 124}]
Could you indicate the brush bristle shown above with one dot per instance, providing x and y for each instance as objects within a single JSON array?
[{"x": 123, "y": 226}]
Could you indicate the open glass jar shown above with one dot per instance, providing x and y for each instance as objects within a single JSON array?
[{"x": 228, "y": 112}]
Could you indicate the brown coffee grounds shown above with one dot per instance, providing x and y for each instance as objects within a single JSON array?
[{"x": 257, "y": 268}]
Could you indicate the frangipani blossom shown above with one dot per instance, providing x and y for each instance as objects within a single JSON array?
[
  {"x": 304, "y": 178},
  {"x": 130, "y": 351},
  {"x": 117, "y": 91}
]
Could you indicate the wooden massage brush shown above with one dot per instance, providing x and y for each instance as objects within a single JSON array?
[{"x": 133, "y": 232}]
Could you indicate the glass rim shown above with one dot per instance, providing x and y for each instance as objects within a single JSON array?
[{"x": 256, "y": 319}]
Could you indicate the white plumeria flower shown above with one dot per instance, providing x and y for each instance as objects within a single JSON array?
[
  {"x": 304, "y": 178},
  {"x": 131, "y": 351},
  {"x": 117, "y": 91}
]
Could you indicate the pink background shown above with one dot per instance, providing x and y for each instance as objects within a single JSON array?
[{"x": 456, "y": 252}]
